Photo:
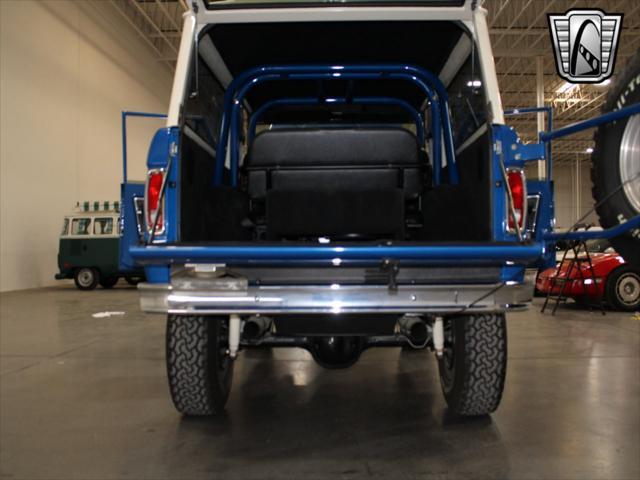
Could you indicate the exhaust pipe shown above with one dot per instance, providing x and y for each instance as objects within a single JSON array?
[
  {"x": 415, "y": 329},
  {"x": 255, "y": 327}
]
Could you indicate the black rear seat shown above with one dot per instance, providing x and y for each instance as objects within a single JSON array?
[{"x": 338, "y": 182}]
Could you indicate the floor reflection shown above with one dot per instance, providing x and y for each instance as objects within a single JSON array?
[{"x": 383, "y": 416}]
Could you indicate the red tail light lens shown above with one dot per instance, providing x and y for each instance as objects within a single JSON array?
[
  {"x": 153, "y": 207},
  {"x": 518, "y": 193}
]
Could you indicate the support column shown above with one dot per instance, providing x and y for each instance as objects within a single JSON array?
[{"x": 540, "y": 103}]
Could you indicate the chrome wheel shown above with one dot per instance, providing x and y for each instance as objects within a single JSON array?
[
  {"x": 628, "y": 289},
  {"x": 630, "y": 161}
]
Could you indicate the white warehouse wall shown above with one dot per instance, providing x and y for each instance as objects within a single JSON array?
[
  {"x": 573, "y": 199},
  {"x": 67, "y": 70}
]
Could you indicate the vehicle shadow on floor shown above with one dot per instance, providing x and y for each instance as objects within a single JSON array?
[{"x": 386, "y": 415}]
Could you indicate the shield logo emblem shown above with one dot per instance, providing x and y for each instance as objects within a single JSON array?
[{"x": 585, "y": 44}]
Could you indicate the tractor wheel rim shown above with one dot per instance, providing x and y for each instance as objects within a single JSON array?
[
  {"x": 630, "y": 162},
  {"x": 628, "y": 288}
]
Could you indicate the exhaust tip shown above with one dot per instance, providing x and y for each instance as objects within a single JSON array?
[
  {"x": 415, "y": 329},
  {"x": 255, "y": 327}
]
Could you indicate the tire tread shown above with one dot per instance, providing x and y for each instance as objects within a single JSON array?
[
  {"x": 189, "y": 366},
  {"x": 484, "y": 365}
]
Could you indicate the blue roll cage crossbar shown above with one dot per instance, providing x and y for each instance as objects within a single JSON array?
[
  {"x": 625, "y": 112},
  {"x": 280, "y": 102},
  {"x": 429, "y": 83}
]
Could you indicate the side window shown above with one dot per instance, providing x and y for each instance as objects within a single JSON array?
[
  {"x": 103, "y": 226},
  {"x": 467, "y": 101},
  {"x": 203, "y": 111},
  {"x": 80, "y": 226},
  {"x": 65, "y": 227}
]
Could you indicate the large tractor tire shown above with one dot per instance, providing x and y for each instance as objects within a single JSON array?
[{"x": 615, "y": 163}]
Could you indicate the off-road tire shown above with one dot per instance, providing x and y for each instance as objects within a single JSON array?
[
  {"x": 108, "y": 282},
  {"x": 86, "y": 278},
  {"x": 474, "y": 366},
  {"x": 198, "y": 368},
  {"x": 615, "y": 281},
  {"x": 605, "y": 163}
]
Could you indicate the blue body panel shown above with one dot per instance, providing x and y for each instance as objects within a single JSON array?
[
  {"x": 544, "y": 220},
  {"x": 549, "y": 113},
  {"x": 163, "y": 154},
  {"x": 508, "y": 150},
  {"x": 129, "y": 235}
]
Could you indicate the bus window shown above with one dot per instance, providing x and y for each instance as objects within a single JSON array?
[
  {"x": 80, "y": 226},
  {"x": 103, "y": 226},
  {"x": 65, "y": 227}
]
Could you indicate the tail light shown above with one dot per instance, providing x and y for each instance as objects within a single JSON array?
[
  {"x": 518, "y": 186},
  {"x": 153, "y": 205}
]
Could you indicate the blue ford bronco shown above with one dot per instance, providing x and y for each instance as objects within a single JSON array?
[{"x": 340, "y": 177}]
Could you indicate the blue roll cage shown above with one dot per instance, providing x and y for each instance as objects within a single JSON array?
[{"x": 425, "y": 80}]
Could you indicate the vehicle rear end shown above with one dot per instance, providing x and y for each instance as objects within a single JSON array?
[{"x": 337, "y": 179}]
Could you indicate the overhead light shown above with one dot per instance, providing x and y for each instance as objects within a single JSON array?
[
  {"x": 474, "y": 83},
  {"x": 566, "y": 87},
  {"x": 589, "y": 150}
]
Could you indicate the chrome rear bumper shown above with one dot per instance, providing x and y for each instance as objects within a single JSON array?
[{"x": 215, "y": 296}]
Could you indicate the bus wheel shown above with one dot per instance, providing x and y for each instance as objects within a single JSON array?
[
  {"x": 108, "y": 282},
  {"x": 86, "y": 278}
]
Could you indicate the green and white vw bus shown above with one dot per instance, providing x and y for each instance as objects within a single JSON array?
[{"x": 89, "y": 249}]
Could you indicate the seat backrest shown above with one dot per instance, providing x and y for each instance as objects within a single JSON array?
[
  {"x": 335, "y": 159},
  {"x": 318, "y": 147}
]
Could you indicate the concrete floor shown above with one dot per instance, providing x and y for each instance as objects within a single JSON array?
[{"x": 86, "y": 398}]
